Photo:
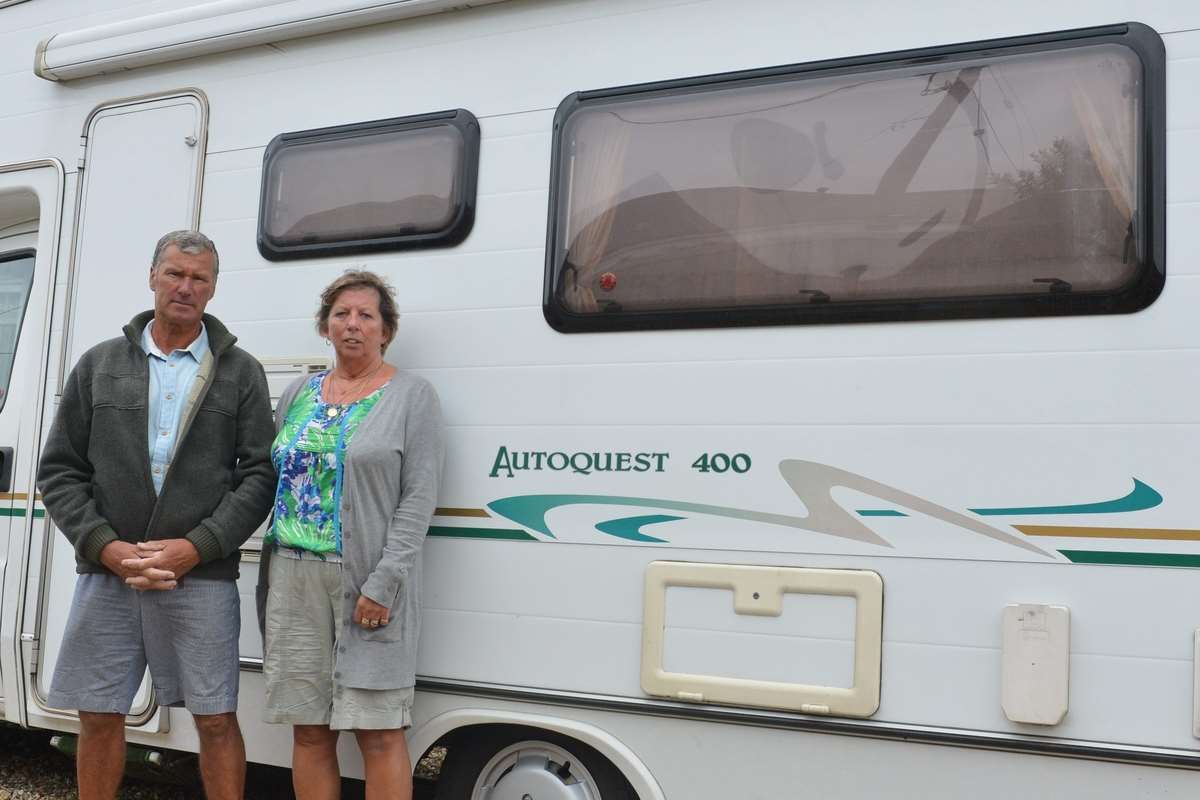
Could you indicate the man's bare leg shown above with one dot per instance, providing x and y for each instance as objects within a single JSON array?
[
  {"x": 222, "y": 756},
  {"x": 100, "y": 759},
  {"x": 315, "y": 773}
]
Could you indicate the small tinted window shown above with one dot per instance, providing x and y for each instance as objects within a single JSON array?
[
  {"x": 1010, "y": 183},
  {"x": 384, "y": 185},
  {"x": 16, "y": 279}
]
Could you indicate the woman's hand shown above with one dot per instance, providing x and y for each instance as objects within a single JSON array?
[{"x": 370, "y": 614}]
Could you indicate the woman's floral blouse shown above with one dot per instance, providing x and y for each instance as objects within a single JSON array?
[{"x": 309, "y": 453}]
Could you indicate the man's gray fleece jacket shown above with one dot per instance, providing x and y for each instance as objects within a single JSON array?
[{"x": 95, "y": 469}]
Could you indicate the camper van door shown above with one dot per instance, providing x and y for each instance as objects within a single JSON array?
[
  {"x": 30, "y": 210},
  {"x": 141, "y": 177}
]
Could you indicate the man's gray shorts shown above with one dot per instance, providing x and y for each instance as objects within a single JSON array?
[{"x": 188, "y": 636}]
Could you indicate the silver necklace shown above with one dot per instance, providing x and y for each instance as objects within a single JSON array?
[{"x": 337, "y": 408}]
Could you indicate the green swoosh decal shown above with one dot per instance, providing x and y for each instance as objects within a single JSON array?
[
  {"x": 630, "y": 527},
  {"x": 1133, "y": 559},
  {"x": 530, "y": 510},
  {"x": 812, "y": 484},
  {"x": 457, "y": 532},
  {"x": 1141, "y": 498}
]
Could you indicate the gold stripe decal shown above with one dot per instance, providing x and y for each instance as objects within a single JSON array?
[
  {"x": 1161, "y": 534},
  {"x": 16, "y": 496},
  {"x": 461, "y": 512}
]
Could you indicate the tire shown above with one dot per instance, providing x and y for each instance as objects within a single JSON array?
[{"x": 514, "y": 763}]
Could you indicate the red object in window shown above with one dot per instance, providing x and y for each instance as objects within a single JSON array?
[{"x": 608, "y": 281}]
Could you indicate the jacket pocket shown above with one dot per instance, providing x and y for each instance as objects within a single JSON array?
[
  {"x": 221, "y": 398},
  {"x": 118, "y": 391}
]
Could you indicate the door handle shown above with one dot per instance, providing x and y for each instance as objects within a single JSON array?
[{"x": 6, "y": 467}]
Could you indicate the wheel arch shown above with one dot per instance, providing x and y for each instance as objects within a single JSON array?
[{"x": 617, "y": 752}]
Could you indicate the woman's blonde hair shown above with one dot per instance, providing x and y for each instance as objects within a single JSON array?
[{"x": 361, "y": 279}]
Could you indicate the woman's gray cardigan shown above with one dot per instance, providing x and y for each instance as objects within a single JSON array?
[{"x": 389, "y": 491}]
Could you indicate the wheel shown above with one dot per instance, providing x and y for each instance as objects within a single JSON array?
[{"x": 515, "y": 763}]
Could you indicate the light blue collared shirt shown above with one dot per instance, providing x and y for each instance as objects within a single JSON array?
[{"x": 171, "y": 379}]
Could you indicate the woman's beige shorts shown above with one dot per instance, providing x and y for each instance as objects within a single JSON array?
[{"x": 304, "y": 619}]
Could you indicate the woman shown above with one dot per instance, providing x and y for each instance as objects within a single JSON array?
[{"x": 358, "y": 450}]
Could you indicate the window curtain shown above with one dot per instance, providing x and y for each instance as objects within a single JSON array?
[{"x": 597, "y": 177}]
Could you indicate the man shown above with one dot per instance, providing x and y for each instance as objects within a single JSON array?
[{"x": 157, "y": 468}]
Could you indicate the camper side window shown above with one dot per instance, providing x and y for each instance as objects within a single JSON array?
[
  {"x": 16, "y": 279},
  {"x": 384, "y": 185},
  {"x": 1014, "y": 180}
]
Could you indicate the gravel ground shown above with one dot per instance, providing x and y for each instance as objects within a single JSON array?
[{"x": 30, "y": 769}]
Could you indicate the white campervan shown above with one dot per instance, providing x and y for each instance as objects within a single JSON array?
[{"x": 821, "y": 378}]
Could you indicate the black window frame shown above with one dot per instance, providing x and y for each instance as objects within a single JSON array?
[
  {"x": 5, "y": 257},
  {"x": 464, "y": 197},
  {"x": 1142, "y": 290}
]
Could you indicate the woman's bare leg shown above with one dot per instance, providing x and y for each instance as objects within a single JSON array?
[
  {"x": 315, "y": 773},
  {"x": 388, "y": 767}
]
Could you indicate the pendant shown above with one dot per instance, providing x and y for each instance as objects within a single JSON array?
[{"x": 331, "y": 412}]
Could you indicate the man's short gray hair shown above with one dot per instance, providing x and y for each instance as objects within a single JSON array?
[{"x": 190, "y": 242}]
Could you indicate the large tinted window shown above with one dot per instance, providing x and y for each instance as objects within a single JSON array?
[
  {"x": 1008, "y": 183},
  {"x": 384, "y": 185},
  {"x": 16, "y": 278}
]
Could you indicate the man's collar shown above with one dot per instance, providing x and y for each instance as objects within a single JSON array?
[{"x": 196, "y": 349}]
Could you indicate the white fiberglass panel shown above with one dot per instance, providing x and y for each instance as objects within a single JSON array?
[{"x": 141, "y": 179}]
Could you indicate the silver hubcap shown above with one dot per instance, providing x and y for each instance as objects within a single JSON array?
[{"x": 534, "y": 771}]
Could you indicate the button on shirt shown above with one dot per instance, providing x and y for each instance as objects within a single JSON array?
[{"x": 171, "y": 379}]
